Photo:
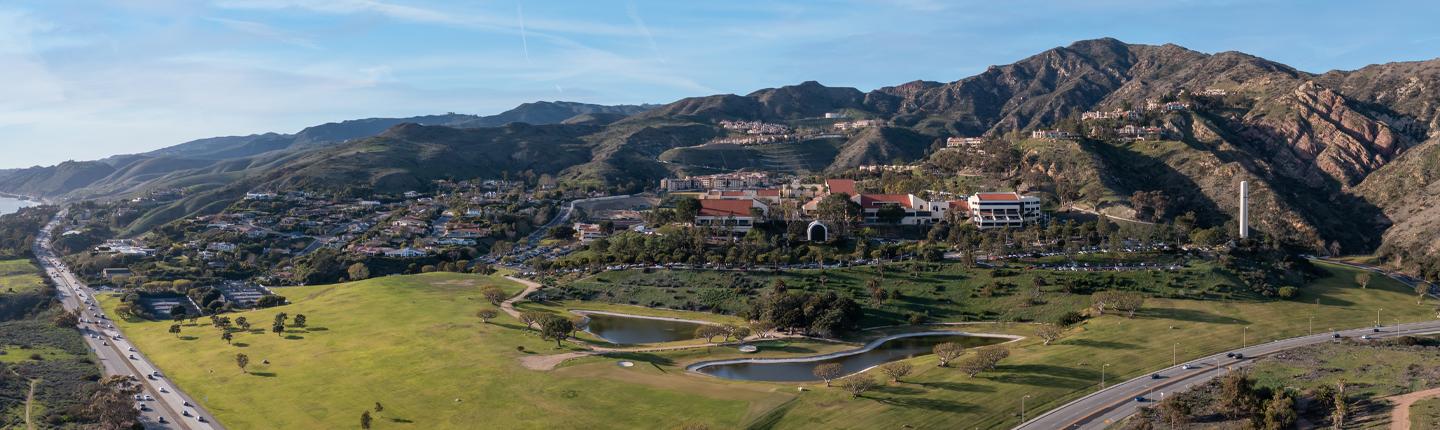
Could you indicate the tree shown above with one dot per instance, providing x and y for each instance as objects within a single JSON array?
[
  {"x": 1363, "y": 278},
  {"x": 242, "y": 360},
  {"x": 1421, "y": 289},
  {"x": 948, "y": 352},
  {"x": 175, "y": 330},
  {"x": 486, "y": 315},
  {"x": 1280, "y": 411},
  {"x": 1049, "y": 332},
  {"x": 1175, "y": 412},
  {"x": 113, "y": 405},
  {"x": 278, "y": 329},
  {"x": 857, "y": 384},
  {"x": 708, "y": 332},
  {"x": 66, "y": 319},
  {"x": 530, "y": 318},
  {"x": 896, "y": 370},
  {"x": 686, "y": 208},
  {"x": 226, "y": 336},
  {"x": 1237, "y": 394},
  {"x": 365, "y": 420},
  {"x": 839, "y": 211},
  {"x": 1342, "y": 408},
  {"x": 270, "y": 301},
  {"x": 555, "y": 328},
  {"x": 984, "y": 359},
  {"x": 828, "y": 372},
  {"x": 1127, "y": 302},
  {"x": 561, "y": 232},
  {"x": 358, "y": 271},
  {"x": 890, "y": 214},
  {"x": 494, "y": 294},
  {"x": 299, "y": 320}
]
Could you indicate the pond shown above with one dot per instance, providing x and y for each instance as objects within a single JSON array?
[
  {"x": 631, "y": 329},
  {"x": 876, "y": 353}
]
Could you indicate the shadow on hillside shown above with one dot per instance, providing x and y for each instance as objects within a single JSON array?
[
  {"x": 642, "y": 357},
  {"x": 938, "y": 405},
  {"x": 309, "y": 329},
  {"x": 1102, "y": 344},
  {"x": 1326, "y": 300},
  {"x": 899, "y": 390},
  {"x": 264, "y": 374},
  {"x": 959, "y": 387},
  {"x": 240, "y": 344},
  {"x": 1050, "y": 370},
  {"x": 1192, "y": 315},
  {"x": 294, "y": 337}
]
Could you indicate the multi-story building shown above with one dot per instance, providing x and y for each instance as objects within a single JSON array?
[
  {"x": 992, "y": 210},
  {"x": 733, "y": 215}
]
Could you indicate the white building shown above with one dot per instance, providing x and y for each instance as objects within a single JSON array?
[
  {"x": 734, "y": 215},
  {"x": 992, "y": 210}
]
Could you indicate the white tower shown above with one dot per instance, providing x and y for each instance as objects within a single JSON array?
[{"x": 1244, "y": 210}]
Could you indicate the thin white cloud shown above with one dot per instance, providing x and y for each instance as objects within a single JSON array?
[
  {"x": 634, "y": 13},
  {"x": 265, "y": 31},
  {"x": 419, "y": 14}
]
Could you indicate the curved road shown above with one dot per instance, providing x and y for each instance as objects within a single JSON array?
[
  {"x": 1110, "y": 405},
  {"x": 1102, "y": 408},
  {"x": 116, "y": 354}
]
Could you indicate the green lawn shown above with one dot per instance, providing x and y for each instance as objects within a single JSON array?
[
  {"x": 18, "y": 276},
  {"x": 943, "y": 291},
  {"x": 1425, "y": 414},
  {"x": 413, "y": 344}
]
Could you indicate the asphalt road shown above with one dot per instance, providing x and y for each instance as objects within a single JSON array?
[
  {"x": 164, "y": 401},
  {"x": 1102, "y": 408}
]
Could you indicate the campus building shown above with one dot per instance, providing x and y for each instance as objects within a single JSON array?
[{"x": 992, "y": 210}]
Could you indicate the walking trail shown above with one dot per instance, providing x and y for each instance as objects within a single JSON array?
[{"x": 1400, "y": 415}]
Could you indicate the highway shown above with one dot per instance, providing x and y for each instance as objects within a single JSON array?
[
  {"x": 1110, "y": 405},
  {"x": 163, "y": 405},
  {"x": 1102, "y": 408}
]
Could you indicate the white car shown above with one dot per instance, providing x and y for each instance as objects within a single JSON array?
[{"x": 149, "y": 397}]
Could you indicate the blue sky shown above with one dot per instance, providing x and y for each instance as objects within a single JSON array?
[{"x": 87, "y": 79}]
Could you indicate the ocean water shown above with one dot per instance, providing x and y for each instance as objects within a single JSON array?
[{"x": 9, "y": 205}]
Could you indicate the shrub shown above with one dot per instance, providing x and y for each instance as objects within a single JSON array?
[{"x": 1288, "y": 292}]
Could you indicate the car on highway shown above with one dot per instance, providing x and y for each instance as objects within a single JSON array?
[
  {"x": 132, "y": 357},
  {"x": 163, "y": 390},
  {"x": 1187, "y": 366},
  {"x": 132, "y": 349},
  {"x": 160, "y": 419},
  {"x": 149, "y": 397},
  {"x": 1365, "y": 337},
  {"x": 1140, "y": 399}
]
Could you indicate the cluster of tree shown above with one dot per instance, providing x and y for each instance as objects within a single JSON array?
[
  {"x": 825, "y": 315},
  {"x": 1265, "y": 267},
  {"x": 18, "y": 230},
  {"x": 1235, "y": 399},
  {"x": 1118, "y": 301},
  {"x": 325, "y": 265},
  {"x": 551, "y": 326},
  {"x": 726, "y": 331}
]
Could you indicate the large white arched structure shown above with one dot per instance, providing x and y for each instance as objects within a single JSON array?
[{"x": 824, "y": 231}]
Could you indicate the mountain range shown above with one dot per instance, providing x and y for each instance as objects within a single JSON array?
[{"x": 1342, "y": 161}]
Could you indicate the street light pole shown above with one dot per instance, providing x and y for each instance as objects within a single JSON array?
[
  {"x": 1377, "y": 316},
  {"x": 1175, "y": 354},
  {"x": 1245, "y": 338},
  {"x": 1312, "y": 324},
  {"x": 1102, "y": 375},
  {"x": 1022, "y": 407}
]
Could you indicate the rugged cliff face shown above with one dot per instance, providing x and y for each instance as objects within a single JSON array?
[{"x": 1316, "y": 136}]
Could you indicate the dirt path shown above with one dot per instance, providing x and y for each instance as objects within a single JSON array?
[
  {"x": 1400, "y": 415},
  {"x": 509, "y": 304},
  {"x": 30, "y": 405}
]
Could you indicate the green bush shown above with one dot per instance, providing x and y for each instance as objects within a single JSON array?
[{"x": 1288, "y": 292}]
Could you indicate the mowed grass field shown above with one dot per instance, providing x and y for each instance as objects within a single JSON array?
[
  {"x": 19, "y": 276},
  {"x": 1425, "y": 414},
  {"x": 413, "y": 344}
]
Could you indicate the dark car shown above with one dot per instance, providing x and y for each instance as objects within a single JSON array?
[
  {"x": 1154, "y": 376},
  {"x": 1139, "y": 398},
  {"x": 1239, "y": 356}
]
